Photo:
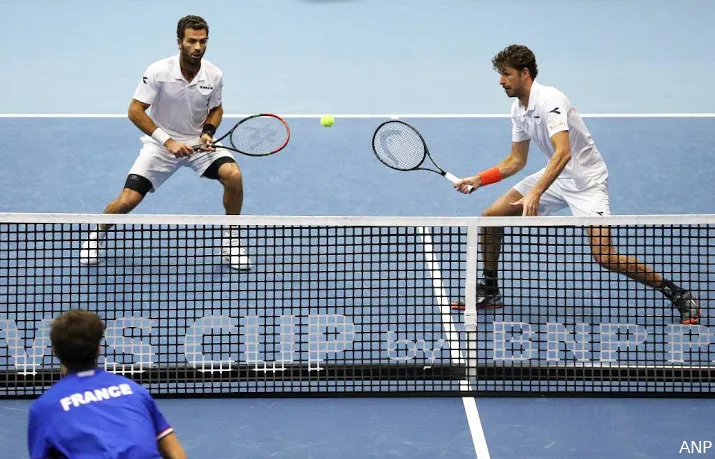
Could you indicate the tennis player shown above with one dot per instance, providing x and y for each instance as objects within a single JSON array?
[
  {"x": 184, "y": 95},
  {"x": 575, "y": 176},
  {"x": 93, "y": 413}
]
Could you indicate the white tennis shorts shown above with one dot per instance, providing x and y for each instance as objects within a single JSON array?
[
  {"x": 156, "y": 164},
  {"x": 585, "y": 203}
]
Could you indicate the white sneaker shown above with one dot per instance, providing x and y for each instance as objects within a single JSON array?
[
  {"x": 233, "y": 254},
  {"x": 90, "y": 251}
]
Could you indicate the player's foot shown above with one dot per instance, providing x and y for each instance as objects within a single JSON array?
[
  {"x": 91, "y": 249},
  {"x": 689, "y": 308},
  {"x": 233, "y": 254},
  {"x": 487, "y": 298}
]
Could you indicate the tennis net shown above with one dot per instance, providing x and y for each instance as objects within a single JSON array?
[{"x": 359, "y": 305}]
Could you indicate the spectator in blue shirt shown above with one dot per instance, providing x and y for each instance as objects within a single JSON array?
[{"x": 92, "y": 413}]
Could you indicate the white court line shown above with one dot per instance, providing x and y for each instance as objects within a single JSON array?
[
  {"x": 374, "y": 116},
  {"x": 470, "y": 405},
  {"x": 475, "y": 426}
]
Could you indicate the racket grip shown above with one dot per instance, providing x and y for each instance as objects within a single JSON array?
[
  {"x": 454, "y": 179},
  {"x": 451, "y": 178},
  {"x": 198, "y": 147}
]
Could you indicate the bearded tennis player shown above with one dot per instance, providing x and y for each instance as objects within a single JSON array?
[{"x": 575, "y": 176}]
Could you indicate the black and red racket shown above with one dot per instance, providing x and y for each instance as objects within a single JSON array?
[{"x": 256, "y": 135}]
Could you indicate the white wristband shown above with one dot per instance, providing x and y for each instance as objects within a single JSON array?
[{"x": 160, "y": 136}]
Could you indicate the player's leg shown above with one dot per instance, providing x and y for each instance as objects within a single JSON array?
[
  {"x": 226, "y": 171},
  {"x": 490, "y": 241},
  {"x": 595, "y": 201},
  {"x": 135, "y": 188},
  {"x": 608, "y": 257},
  {"x": 491, "y": 237},
  {"x": 490, "y": 244},
  {"x": 151, "y": 168},
  {"x": 220, "y": 165}
]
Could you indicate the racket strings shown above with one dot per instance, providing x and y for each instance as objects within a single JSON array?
[
  {"x": 399, "y": 146},
  {"x": 260, "y": 135}
]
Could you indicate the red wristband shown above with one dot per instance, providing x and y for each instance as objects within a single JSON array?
[{"x": 490, "y": 176}]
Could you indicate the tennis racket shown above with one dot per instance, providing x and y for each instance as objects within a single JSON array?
[
  {"x": 256, "y": 135},
  {"x": 400, "y": 146}
]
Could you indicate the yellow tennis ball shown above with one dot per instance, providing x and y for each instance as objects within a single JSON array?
[{"x": 327, "y": 120}]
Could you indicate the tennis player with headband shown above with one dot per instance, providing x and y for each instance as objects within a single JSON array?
[
  {"x": 185, "y": 93},
  {"x": 575, "y": 176},
  {"x": 91, "y": 412}
]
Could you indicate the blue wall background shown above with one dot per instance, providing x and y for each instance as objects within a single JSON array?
[{"x": 364, "y": 56}]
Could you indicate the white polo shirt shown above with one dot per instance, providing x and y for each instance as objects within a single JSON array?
[
  {"x": 549, "y": 112},
  {"x": 178, "y": 106}
]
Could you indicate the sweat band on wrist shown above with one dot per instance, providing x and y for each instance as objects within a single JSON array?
[
  {"x": 490, "y": 176},
  {"x": 209, "y": 129},
  {"x": 160, "y": 136}
]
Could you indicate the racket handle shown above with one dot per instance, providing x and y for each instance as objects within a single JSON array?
[
  {"x": 451, "y": 177},
  {"x": 198, "y": 147},
  {"x": 454, "y": 179}
]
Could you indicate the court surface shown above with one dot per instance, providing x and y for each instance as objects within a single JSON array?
[{"x": 80, "y": 164}]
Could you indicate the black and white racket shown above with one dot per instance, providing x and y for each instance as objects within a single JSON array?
[
  {"x": 400, "y": 146},
  {"x": 256, "y": 135}
]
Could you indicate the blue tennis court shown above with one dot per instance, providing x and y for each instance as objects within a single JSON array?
[
  {"x": 293, "y": 183},
  {"x": 370, "y": 300}
]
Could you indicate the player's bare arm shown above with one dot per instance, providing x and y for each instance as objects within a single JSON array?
[
  {"x": 514, "y": 162},
  {"x": 137, "y": 115},
  {"x": 170, "y": 448},
  {"x": 213, "y": 120},
  {"x": 556, "y": 165}
]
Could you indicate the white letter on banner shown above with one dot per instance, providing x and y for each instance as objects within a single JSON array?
[
  {"x": 286, "y": 348},
  {"x": 41, "y": 345},
  {"x": 611, "y": 342},
  {"x": 680, "y": 339},
  {"x": 318, "y": 346},
  {"x": 114, "y": 335},
  {"x": 431, "y": 353},
  {"x": 194, "y": 342},
  {"x": 556, "y": 334},
  {"x": 523, "y": 339},
  {"x": 393, "y": 345}
]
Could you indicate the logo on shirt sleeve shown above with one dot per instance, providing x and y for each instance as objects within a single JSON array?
[
  {"x": 556, "y": 110},
  {"x": 145, "y": 79},
  {"x": 558, "y": 125}
]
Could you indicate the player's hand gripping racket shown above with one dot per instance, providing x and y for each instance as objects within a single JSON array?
[
  {"x": 401, "y": 147},
  {"x": 256, "y": 135}
]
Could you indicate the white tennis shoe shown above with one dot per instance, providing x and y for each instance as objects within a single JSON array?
[{"x": 232, "y": 253}]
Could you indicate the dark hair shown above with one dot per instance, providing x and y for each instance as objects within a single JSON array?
[
  {"x": 76, "y": 336},
  {"x": 518, "y": 57},
  {"x": 190, "y": 22}
]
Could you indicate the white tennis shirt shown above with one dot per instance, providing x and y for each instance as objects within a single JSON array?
[
  {"x": 178, "y": 106},
  {"x": 549, "y": 112}
]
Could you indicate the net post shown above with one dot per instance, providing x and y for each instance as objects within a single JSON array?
[{"x": 470, "y": 289}]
